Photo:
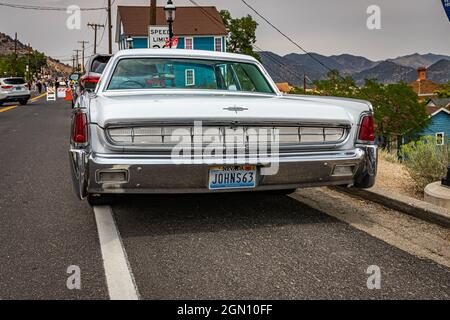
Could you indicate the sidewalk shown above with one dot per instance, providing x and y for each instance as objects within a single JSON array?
[{"x": 388, "y": 198}]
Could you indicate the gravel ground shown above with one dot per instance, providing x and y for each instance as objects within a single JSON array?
[{"x": 393, "y": 176}]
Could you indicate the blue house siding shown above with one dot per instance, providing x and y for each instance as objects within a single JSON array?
[
  {"x": 140, "y": 43},
  {"x": 204, "y": 43},
  {"x": 439, "y": 123},
  {"x": 203, "y": 75},
  {"x": 180, "y": 43},
  {"x": 200, "y": 43}
]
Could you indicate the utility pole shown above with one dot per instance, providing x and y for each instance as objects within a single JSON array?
[
  {"x": 15, "y": 56},
  {"x": 304, "y": 83},
  {"x": 109, "y": 28},
  {"x": 153, "y": 12},
  {"x": 83, "y": 43},
  {"x": 73, "y": 63},
  {"x": 29, "y": 62},
  {"x": 77, "y": 52},
  {"x": 95, "y": 26}
]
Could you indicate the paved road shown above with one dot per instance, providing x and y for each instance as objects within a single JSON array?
[{"x": 252, "y": 246}]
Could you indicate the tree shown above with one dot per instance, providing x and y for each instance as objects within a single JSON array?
[
  {"x": 337, "y": 86},
  {"x": 36, "y": 61},
  {"x": 397, "y": 109},
  {"x": 241, "y": 34},
  {"x": 445, "y": 91}
]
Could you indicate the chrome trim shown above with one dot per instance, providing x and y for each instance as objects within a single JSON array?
[
  {"x": 97, "y": 176},
  {"x": 149, "y": 175},
  {"x": 160, "y": 145},
  {"x": 79, "y": 159}
]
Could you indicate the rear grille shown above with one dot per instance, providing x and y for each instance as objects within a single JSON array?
[{"x": 240, "y": 136}]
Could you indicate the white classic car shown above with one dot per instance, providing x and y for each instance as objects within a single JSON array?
[{"x": 184, "y": 121}]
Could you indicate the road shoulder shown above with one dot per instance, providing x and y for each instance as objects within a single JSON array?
[{"x": 407, "y": 233}]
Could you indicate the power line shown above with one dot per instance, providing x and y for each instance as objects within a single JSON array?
[
  {"x": 283, "y": 65},
  {"x": 211, "y": 17},
  {"x": 274, "y": 59},
  {"x": 286, "y": 36},
  {"x": 43, "y": 8}
]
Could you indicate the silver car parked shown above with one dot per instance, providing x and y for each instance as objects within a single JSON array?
[
  {"x": 184, "y": 121},
  {"x": 14, "y": 90}
]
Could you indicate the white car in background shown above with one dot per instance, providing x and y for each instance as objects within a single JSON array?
[{"x": 14, "y": 90}]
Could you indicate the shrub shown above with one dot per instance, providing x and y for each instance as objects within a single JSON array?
[
  {"x": 426, "y": 161},
  {"x": 388, "y": 156}
]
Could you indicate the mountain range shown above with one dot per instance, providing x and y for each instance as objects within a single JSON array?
[{"x": 292, "y": 67}]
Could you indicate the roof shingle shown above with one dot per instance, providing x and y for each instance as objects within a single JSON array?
[{"x": 190, "y": 21}]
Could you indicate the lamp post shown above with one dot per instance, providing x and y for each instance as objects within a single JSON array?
[
  {"x": 170, "y": 9},
  {"x": 129, "y": 43}
]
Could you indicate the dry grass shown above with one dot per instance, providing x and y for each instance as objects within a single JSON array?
[{"x": 392, "y": 175}]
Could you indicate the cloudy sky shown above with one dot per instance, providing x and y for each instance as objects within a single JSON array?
[{"x": 324, "y": 26}]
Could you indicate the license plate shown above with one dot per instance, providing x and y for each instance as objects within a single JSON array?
[
  {"x": 233, "y": 177},
  {"x": 18, "y": 88}
]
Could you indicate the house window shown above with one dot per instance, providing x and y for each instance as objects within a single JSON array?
[
  {"x": 190, "y": 77},
  {"x": 440, "y": 138},
  {"x": 218, "y": 44},
  {"x": 189, "y": 43}
]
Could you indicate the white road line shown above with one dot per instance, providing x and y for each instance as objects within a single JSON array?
[{"x": 119, "y": 278}]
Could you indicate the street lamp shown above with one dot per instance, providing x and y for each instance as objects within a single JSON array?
[
  {"x": 170, "y": 9},
  {"x": 129, "y": 43}
]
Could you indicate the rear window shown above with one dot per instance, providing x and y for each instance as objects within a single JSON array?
[
  {"x": 168, "y": 73},
  {"x": 99, "y": 64},
  {"x": 14, "y": 81}
]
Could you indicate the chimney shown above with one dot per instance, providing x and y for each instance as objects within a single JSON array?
[{"x": 422, "y": 73}]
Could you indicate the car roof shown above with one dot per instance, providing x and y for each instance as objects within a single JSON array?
[{"x": 183, "y": 53}]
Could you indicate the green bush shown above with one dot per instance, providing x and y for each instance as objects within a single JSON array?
[
  {"x": 388, "y": 156},
  {"x": 426, "y": 161}
]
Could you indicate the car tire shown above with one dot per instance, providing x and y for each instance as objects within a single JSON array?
[
  {"x": 23, "y": 102},
  {"x": 99, "y": 199},
  {"x": 365, "y": 182}
]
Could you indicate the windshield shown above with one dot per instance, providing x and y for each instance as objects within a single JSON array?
[
  {"x": 14, "y": 81},
  {"x": 99, "y": 64},
  {"x": 152, "y": 73}
]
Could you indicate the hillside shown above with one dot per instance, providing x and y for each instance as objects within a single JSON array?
[
  {"x": 387, "y": 72},
  {"x": 439, "y": 72},
  {"x": 351, "y": 64},
  {"x": 417, "y": 60},
  {"x": 7, "y": 48},
  {"x": 284, "y": 70}
]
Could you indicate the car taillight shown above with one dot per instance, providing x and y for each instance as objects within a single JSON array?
[
  {"x": 90, "y": 79},
  {"x": 367, "y": 129},
  {"x": 7, "y": 87},
  {"x": 80, "y": 128}
]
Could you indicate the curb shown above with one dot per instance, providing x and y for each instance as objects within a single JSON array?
[{"x": 417, "y": 208}]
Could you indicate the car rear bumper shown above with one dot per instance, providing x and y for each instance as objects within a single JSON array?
[
  {"x": 14, "y": 97},
  {"x": 142, "y": 174}
]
